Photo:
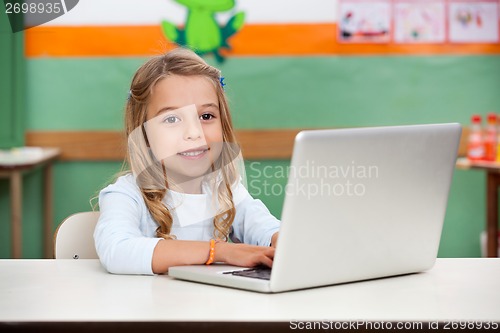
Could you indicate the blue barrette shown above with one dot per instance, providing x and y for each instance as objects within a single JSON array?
[
  {"x": 129, "y": 95},
  {"x": 222, "y": 83}
]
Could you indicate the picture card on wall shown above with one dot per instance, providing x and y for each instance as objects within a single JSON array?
[
  {"x": 419, "y": 21},
  {"x": 364, "y": 21},
  {"x": 473, "y": 21}
]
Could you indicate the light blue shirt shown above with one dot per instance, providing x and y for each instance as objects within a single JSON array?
[{"x": 125, "y": 235}]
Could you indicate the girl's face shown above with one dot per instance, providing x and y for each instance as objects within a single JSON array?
[{"x": 183, "y": 126}]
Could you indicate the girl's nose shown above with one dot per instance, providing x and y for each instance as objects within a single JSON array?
[{"x": 193, "y": 130}]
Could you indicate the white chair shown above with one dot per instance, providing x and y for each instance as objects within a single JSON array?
[{"x": 74, "y": 238}]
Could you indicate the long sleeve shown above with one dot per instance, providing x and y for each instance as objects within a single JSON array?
[
  {"x": 253, "y": 224},
  {"x": 124, "y": 240}
]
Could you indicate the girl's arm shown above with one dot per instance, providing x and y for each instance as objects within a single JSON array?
[
  {"x": 168, "y": 253},
  {"x": 253, "y": 223},
  {"x": 274, "y": 240}
]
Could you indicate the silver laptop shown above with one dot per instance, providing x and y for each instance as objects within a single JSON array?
[{"x": 360, "y": 204}]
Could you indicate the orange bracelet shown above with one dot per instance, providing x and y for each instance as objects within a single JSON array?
[{"x": 211, "y": 255}]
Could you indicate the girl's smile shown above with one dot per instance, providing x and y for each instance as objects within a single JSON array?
[{"x": 194, "y": 154}]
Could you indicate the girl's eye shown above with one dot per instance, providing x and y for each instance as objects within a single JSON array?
[
  {"x": 171, "y": 119},
  {"x": 207, "y": 116}
]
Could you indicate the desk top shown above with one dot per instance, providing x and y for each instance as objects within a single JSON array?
[
  {"x": 465, "y": 164},
  {"x": 26, "y": 157},
  {"x": 81, "y": 290}
]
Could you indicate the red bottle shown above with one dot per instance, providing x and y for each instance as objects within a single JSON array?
[
  {"x": 475, "y": 146},
  {"x": 490, "y": 138}
]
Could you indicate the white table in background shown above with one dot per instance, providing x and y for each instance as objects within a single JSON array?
[{"x": 13, "y": 164}]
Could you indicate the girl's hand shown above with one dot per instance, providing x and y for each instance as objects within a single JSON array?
[{"x": 244, "y": 255}]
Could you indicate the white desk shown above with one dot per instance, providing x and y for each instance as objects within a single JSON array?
[{"x": 81, "y": 291}]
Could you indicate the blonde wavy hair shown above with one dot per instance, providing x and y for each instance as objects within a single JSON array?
[{"x": 150, "y": 173}]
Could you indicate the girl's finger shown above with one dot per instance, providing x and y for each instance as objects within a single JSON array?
[{"x": 267, "y": 261}]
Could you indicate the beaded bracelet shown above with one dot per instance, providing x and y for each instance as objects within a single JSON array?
[{"x": 211, "y": 255}]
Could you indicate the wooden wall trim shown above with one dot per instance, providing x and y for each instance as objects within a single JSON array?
[
  {"x": 267, "y": 144},
  {"x": 81, "y": 145},
  {"x": 462, "y": 148},
  {"x": 110, "y": 145}
]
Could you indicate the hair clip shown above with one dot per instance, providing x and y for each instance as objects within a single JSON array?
[
  {"x": 129, "y": 95},
  {"x": 222, "y": 83}
]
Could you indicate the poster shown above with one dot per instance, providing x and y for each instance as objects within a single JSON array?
[
  {"x": 419, "y": 21},
  {"x": 364, "y": 21},
  {"x": 473, "y": 21}
]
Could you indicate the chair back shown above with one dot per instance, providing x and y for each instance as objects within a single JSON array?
[{"x": 74, "y": 238}]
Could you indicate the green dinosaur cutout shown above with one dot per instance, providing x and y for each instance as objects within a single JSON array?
[{"x": 201, "y": 32}]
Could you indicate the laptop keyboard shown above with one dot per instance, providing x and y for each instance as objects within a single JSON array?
[{"x": 263, "y": 273}]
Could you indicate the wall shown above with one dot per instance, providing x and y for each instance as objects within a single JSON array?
[{"x": 77, "y": 84}]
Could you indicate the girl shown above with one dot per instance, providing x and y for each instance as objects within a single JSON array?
[{"x": 183, "y": 201}]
